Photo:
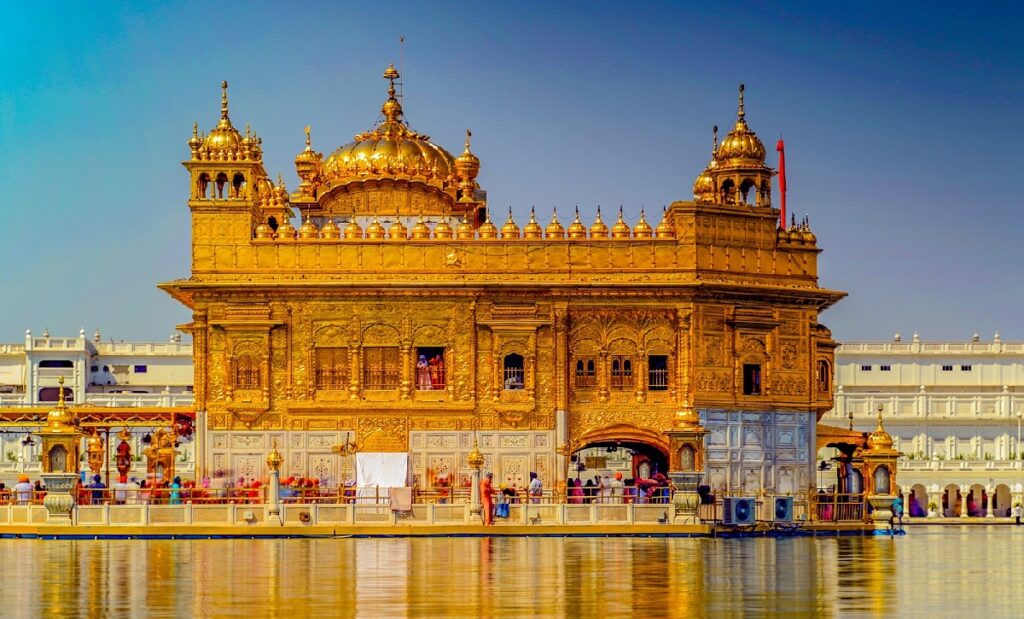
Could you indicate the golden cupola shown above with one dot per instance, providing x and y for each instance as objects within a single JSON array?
[
  {"x": 554, "y": 229},
  {"x": 642, "y": 229},
  {"x": 224, "y": 141},
  {"x": 390, "y": 161},
  {"x": 664, "y": 229},
  {"x": 532, "y": 230},
  {"x": 704, "y": 186},
  {"x": 879, "y": 439},
  {"x": 510, "y": 230},
  {"x": 576, "y": 229},
  {"x": 741, "y": 146},
  {"x": 598, "y": 229},
  {"x": 621, "y": 229}
]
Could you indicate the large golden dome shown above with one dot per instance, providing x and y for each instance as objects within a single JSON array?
[
  {"x": 741, "y": 147},
  {"x": 391, "y": 149},
  {"x": 223, "y": 137}
]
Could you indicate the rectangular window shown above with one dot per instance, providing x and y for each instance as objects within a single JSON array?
[
  {"x": 622, "y": 372},
  {"x": 947, "y": 368},
  {"x": 657, "y": 373},
  {"x": 380, "y": 368},
  {"x": 751, "y": 379},
  {"x": 332, "y": 368},
  {"x": 513, "y": 372},
  {"x": 140, "y": 369},
  {"x": 885, "y": 368},
  {"x": 865, "y": 368},
  {"x": 965, "y": 368},
  {"x": 586, "y": 373},
  {"x": 430, "y": 372}
]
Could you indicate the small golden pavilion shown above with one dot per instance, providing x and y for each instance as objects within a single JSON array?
[{"x": 383, "y": 307}]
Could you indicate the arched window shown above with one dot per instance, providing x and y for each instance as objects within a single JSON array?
[
  {"x": 332, "y": 368},
  {"x": 687, "y": 458},
  {"x": 203, "y": 187},
  {"x": 586, "y": 373},
  {"x": 824, "y": 377},
  {"x": 237, "y": 184},
  {"x": 221, "y": 182},
  {"x": 882, "y": 480},
  {"x": 247, "y": 373},
  {"x": 272, "y": 222},
  {"x": 728, "y": 191},
  {"x": 513, "y": 372},
  {"x": 748, "y": 192},
  {"x": 622, "y": 372}
]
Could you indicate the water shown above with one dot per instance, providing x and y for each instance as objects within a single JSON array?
[{"x": 933, "y": 571}]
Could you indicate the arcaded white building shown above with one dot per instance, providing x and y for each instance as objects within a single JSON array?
[
  {"x": 97, "y": 372},
  {"x": 953, "y": 408}
]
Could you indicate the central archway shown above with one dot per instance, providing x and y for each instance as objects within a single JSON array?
[{"x": 636, "y": 453}]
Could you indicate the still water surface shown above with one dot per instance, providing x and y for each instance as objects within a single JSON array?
[{"x": 933, "y": 571}]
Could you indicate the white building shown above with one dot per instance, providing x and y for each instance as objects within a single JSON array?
[
  {"x": 955, "y": 410},
  {"x": 126, "y": 375}
]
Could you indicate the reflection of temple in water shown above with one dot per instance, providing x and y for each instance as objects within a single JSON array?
[{"x": 383, "y": 304}]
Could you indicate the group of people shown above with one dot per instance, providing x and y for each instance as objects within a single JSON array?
[
  {"x": 505, "y": 494},
  {"x": 430, "y": 373},
  {"x": 614, "y": 489},
  {"x": 24, "y": 492}
]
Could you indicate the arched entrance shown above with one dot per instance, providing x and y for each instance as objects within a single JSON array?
[
  {"x": 631, "y": 452},
  {"x": 951, "y": 502},
  {"x": 918, "y": 501},
  {"x": 1002, "y": 501},
  {"x": 977, "y": 501}
]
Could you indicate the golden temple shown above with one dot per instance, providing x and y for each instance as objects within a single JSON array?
[{"x": 353, "y": 326}]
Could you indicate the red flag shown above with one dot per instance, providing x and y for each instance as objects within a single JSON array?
[{"x": 782, "y": 182}]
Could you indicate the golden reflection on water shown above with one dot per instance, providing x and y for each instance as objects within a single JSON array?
[{"x": 932, "y": 570}]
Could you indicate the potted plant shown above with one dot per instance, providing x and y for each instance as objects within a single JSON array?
[{"x": 933, "y": 510}]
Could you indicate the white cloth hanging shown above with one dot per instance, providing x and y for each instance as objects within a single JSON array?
[{"x": 377, "y": 472}]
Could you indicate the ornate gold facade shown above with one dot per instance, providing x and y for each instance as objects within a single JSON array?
[{"x": 564, "y": 338}]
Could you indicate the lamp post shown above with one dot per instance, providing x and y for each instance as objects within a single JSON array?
[
  {"x": 475, "y": 459},
  {"x": 274, "y": 460}
]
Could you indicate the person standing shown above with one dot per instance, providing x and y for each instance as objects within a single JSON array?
[
  {"x": 23, "y": 490},
  {"x": 1017, "y": 513},
  {"x": 487, "y": 498},
  {"x": 536, "y": 488},
  {"x": 617, "y": 488}
]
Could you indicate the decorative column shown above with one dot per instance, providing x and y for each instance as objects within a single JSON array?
[
  {"x": 475, "y": 459},
  {"x": 407, "y": 362},
  {"x": 964, "y": 493},
  {"x": 274, "y": 460},
  {"x": 990, "y": 511},
  {"x": 686, "y": 463},
  {"x": 61, "y": 449},
  {"x": 354, "y": 370},
  {"x": 95, "y": 452}
]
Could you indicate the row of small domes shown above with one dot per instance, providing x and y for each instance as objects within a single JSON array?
[{"x": 464, "y": 230}]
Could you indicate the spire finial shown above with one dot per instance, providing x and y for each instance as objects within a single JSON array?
[
  {"x": 469, "y": 134},
  {"x": 61, "y": 404},
  {"x": 714, "y": 143},
  {"x": 391, "y": 74},
  {"x": 741, "y": 113},
  {"x": 224, "y": 100},
  {"x": 195, "y": 129},
  {"x": 309, "y": 142}
]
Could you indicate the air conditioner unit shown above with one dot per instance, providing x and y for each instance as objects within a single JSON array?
[
  {"x": 783, "y": 509},
  {"x": 739, "y": 511}
]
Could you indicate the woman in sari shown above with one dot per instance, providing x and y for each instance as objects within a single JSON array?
[{"x": 487, "y": 498}]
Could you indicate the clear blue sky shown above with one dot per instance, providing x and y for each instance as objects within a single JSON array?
[{"x": 902, "y": 127}]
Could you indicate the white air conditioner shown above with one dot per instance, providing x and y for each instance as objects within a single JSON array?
[
  {"x": 739, "y": 511},
  {"x": 783, "y": 509}
]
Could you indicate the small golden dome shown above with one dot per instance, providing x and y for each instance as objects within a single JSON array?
[
  {"x": 420, "y": 230},
  {"x": 263, "y": 231},
  {"x": 642, "y": 229},
  {"x": 308, "y": 229},
  {"x": 532, "y": 230},
  {"x": 286, "y": 231},
  {"x": 664, "y": 229},
  {"x": 686, "y": 417},
  {"x": 783, "y": 235},
  {"x": 576, "y": 229},
  {"x": 307, "y": 165},
  {"x": 621, "y": 229},
  {"x": 704, "y": 186},
  {"x": 467, "y": 165},
  {"x": 398, "y": 231},
  {"x": 598, "y": 229},
  {"x": 375, "y": 230},
  {"x": 464, "y": 231},
  {"x": 443, "y": 230},
  {"x": 510, "y": 230},
  {"x": 741, "y": 146},
  {"x": 880, "y": 440},
  {"x": 330, "y": 230},
  {"x": 224, "y": 138},
  {"x": 554, "y": 229},
  {"x": 487, "y": 230},
  {"x": 353, "y": 230}
]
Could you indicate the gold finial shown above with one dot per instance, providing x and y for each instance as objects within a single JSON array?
[
  {"x": 309, "y": 142},
  {"x": 741, "y": 113},
  {"x": 280, "y": 180},
  {"x": 61, "y": 403},
  {"x": 714, "y": 143},
  {"x": 195, "y": 129},
  {"x": 469, "y": 134},
  {"x": 391, "y": 74},
  {"x": 224, "y": 100},
  {"x": 621, "y": 229}
]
